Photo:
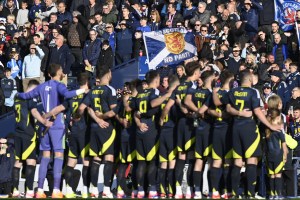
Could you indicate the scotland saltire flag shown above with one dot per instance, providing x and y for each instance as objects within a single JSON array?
[
  {"x": 285, "y": 11},
  {"x": 169, "y": 46}
]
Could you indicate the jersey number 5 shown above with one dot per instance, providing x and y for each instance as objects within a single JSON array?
[{"x": 97, "y": 104}]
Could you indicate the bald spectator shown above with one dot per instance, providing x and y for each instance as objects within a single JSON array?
[
  {"x": 201, "y": 14},
  {"x": 294, "y": 100},
  {"x": 275, "y": 28},
  {"x": 61, "y": 54},
  {"x": 279, "y": 51}
]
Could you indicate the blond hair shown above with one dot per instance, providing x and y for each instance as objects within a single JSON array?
[
  {"x": 274, "y": 101},
  {"x": 11, "y": 16}
]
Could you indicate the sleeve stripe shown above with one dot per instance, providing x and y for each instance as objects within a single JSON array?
[{"x": 113, "y": 90}]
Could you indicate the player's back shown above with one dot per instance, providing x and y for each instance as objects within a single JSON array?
[
  {"x": 24, "y": 119},
  {"x": 242, "y": 98},
  {"x": 49, "y": 93}
]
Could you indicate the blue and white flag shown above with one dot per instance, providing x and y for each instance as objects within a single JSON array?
[
  {"x": 169, "y": 46},
  {"x": 285, "y": 11}
]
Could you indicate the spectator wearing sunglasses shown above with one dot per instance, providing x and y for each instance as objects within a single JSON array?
[{"x": 267, "y": 91}]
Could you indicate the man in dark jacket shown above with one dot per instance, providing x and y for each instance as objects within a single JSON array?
[
  {"x": 9, "y": 7},
  {"x": 266, "y": 16},
  {"x": 172, "y": 17},
  {"x": 106, "y": 57},
  {"x": 234, "y": 61},
  {"x": 92, "y": 9},
  {"x": 201, "y": 14},
  {"x": 279, "y": 51},
  {"x": 77, "y": 35},
  {"x": 124, "y": 44},
  {"x": 79, "y": 5},
  {"x": 62, "y": 14},
  {"x": 91, "y": 50},
  {"x": 61, "y": 55},
  {"x": 250, "y": 16}
]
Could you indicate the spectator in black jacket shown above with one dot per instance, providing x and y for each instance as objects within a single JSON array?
[
  {"x": 9, "y": 7},
  {"x": 235, "y": 60},
  {"x": 106, "y": 57},
  {"x": 138, "y": 46},
  {"x": 61, "y": 55},
  {"x": 266, "y": 16},
  {"x": 92, "y": 9}
]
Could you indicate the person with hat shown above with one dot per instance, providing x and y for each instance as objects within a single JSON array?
[
  {"x": 279, "y": 87},
  {"x": 267, "y": 91}
]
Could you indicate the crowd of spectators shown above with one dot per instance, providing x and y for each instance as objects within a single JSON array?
[{"x": 82, "y": 34}]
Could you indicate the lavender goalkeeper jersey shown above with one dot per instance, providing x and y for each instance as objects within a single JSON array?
[{"x": 52, "y": 94}]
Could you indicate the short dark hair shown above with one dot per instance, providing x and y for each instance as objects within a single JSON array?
[
  {"x": 207, "y": 74},
  {"x": 101, "y": 71},
  {"x": 33, "y": 82},
  {"x": 83, "y": 78},
  {"x": 37, "y": 35},
  {"x": 172, "y": 79},
  {"x": 6, "y": 69},
  {"x": 296, "y": 108},
  {"x": 275, "y": 22},
  {"x": 294, "y": 64},
  {"x": 105, "y": 42},
  {"x": 53, "y": 13},
  {"x": 151, "y": 75},
  {"x": 173, "y": 5},
  {"x": 191, "y": 67},
  {"x": 225, "y": 75},
  {"x": 244, "y": 74},
  {"x": 53, "y": 68}
]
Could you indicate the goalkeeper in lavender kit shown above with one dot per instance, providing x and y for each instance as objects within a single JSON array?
[{"x": 52, "y": 94}]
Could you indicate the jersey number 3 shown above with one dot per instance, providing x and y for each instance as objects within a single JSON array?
[{"x": 18, "y": 114}]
